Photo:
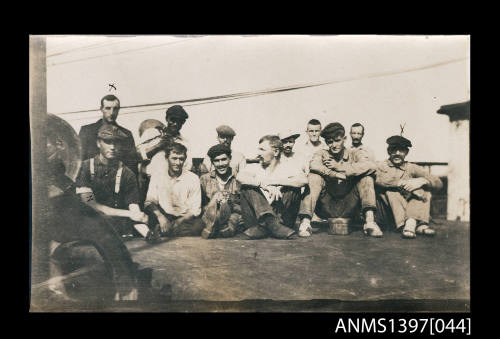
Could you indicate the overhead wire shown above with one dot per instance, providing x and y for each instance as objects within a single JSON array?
[
  {"x": 89, "y": 47},
  {"x": 243, "y": 95},
  {"x": 120, "y": 52}
]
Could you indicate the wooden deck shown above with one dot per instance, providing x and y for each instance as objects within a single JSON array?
[{"x": 193, "y": 271}]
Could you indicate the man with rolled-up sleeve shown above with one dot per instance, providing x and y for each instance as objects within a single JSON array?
[
  {"x": 270, "y": 192},
  {"x": 403, "y": 191},
  {"x": 341, "y": 184},
  {"x": 173, "y": 201}
]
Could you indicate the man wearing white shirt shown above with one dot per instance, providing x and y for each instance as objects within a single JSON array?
[
  {"x": 295, "y": 158},
  {"x": 174, "y": 197},
  {"x": 270, "y": 192},
  {"x": 313, "y": 142}
]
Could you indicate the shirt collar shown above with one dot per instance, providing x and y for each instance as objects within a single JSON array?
[
  {"x": 213, "y": 174},
  {"x": 390, "y": 164},
  {"x": 345, "y": 155}
]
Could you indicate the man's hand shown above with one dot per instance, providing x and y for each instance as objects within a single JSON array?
[
  {"x": 330, "y": 164},
  {"x": 411, "y": 185},
  {"x": 165, "y": 224},
  {"x": 274, "y": 192}
]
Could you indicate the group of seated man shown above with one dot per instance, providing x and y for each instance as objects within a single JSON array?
[{"x": 153, "y": 188}]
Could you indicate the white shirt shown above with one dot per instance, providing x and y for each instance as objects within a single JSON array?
[
  {"x": 283, "y": 169},
  {"x": 304, "y": 145},
  {"x": 177, "y": 196}
]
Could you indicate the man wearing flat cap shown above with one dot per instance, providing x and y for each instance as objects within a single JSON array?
[
  {"x": 270, "y": 192},
  {"x": 220, "y": 195},
  {"x": 225, "y": 136},
  {"x": 341, "y": 184},
  {"x": 403, "y": 191},
  {"x": 108, "y": 186},
  {"x": 110, "y": 107}
]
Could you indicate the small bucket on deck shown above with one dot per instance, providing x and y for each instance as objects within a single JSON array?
[{"x": 339, "y": 226}]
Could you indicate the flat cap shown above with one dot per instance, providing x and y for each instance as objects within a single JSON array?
[
  {"x": 397, "y": 140},
  {"x": 225, "y": 130},
  {"x": 332, "y": 129},
  {"x": 217, "y": 150},
  {"x": 286, "y": 134},
  {"x": 176, "y": 111},
  {"x": 111, "y": 132}
]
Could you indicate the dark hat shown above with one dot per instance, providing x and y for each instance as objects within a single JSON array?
[
  {"x": 225, "y": 130},
  {"x": 217, "y": 150},
  {"x": 332, "y": 129},
  {"x": 176, "y": 111},
  {"x": 397, "y": 140},
  {"x": 111, "y": 132}
]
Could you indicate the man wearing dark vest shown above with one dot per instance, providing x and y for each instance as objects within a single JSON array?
[
  {"x": 110, "y": 106},
  {"x": 106, "y": 185}
]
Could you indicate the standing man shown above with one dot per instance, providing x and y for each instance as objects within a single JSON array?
[
  {"x": 341, "y": 184},
  {"x": 225, "y": 135},
  {"x": 220, "y": 194},
  {"x": 110, "y": 106},
  {"x": 357, "y": 134},
  {"x": 108, "y": 186},
  {"x": 313, "y": 142},
  {"x": 176, "y": 117},
  {"x": 296, "y": 159},
  {"x": 270, "y": 192},
  {"x": 403, "y": 189},
  {"x": 173, "y": 200}
]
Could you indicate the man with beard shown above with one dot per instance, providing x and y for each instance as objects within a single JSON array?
[
  {"x": 173, "y": 200},
  {"x": 403, "y": 191},
  {"x": 341, "y": 184},
  {"x": 225, "y": 135},
  {"x": 220, "y": 195},
  {"x": 357, "y": 134},
  {"x": 270, "y": 192},
  {"x": 110, "y": 107}
]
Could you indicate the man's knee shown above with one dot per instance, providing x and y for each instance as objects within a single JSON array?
[{"x": 315, "y": 181}]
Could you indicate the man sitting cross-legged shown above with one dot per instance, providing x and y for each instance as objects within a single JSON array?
[
  {"x": 341, "y": 184},
  {"x": 270, "y": 192},
  {"x": 173, "y": 200},
  {"x": 403, "y": 191},
  {"x": 220, "y": 195}
]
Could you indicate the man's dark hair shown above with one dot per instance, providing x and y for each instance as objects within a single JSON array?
[
  {"x": 109, "y": 97},
  {"x": 314, "y": 122},
  {"x": 274, "y": 141},
  {"x": 358, "y": 125},
  {"x": 176, "y": 148}
]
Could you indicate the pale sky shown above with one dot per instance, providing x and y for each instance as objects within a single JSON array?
[{"x": 152, "y": 69}]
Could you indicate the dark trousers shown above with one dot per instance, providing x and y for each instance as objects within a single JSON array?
[
  {"x": 188, "y": 228},
  {"x": 254, "y": 206},
  {"x": 330, "y": 200},
  {"x": 73, "y": 221}
]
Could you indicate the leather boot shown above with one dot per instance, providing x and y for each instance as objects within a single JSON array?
[
  {"x": 256, "y": 232},
  {"x": 277, "y": 229}
]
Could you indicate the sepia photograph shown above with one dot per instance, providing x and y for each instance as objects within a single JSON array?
[{"x": 249, "y": 173}]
